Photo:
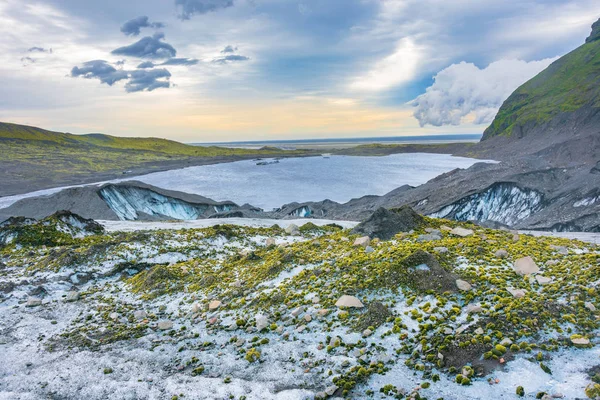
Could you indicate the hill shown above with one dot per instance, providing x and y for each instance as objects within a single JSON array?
[
  {"x": 33, "y": 158},
  {"x": 565, "y": 93}
]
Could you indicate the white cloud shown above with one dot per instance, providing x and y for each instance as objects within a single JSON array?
[
  {"x": 399, "y": 67},
  {"x": 463, "y": 90}
]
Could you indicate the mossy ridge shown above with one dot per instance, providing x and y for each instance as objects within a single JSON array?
[{"x": 336, "y": 267}]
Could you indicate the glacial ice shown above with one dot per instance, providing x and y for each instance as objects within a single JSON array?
[
  {"x": 502, "y": 202},
  {"x": 128, "y": 202},
  {"x": 302, "y": 212}
]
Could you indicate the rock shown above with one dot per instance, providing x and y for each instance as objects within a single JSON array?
[
  {"x": 331, "y": 390},
  {"x": 580, "y": 341},
  {"x": 385, "y": 224},
  {"x": 140, "y": 314},
  {"x": 525, "y": 266},
  {"x": 261, "y": 322},
  {"x": 560, "y": 249},
  {"x": 323, "y": 312},
  {"x": 590, "y": 306},
  {"x": 369, "y": 249},
  {"x": 293, "y": 230},
  {"x": 517, "y": 293},
  {"x": 422, "y": 271},
  {"x": 474, "y": 308},
  {"x": 542, "y": 280},
  {"x": 114, "y": 316},
  {"x": 506, "y": 342},
  {"x": 270, "y": 242},
  {"x": 367, "y": 333},
  {"x": 301, "y": 328},
  {"x": 501, "y": 253},
  {"x": 445, "y": 228},
  {"x": 430, "y": 237},
  {"x": 213, "y": 305},
  {"x": 595, "y": 35},
  {"x": 72, "y": 296},
  {"x": 479, "y": 331},
  {"x": 196, "y": 308},
  {"x": 297, "y": 311},
  {"x": 462, "y": 232},
  {"x": 33, "y": 302},
  {"x": 362, "y": 241},
  {"x": 165, "y": 325},
  {"x": 307, "y": 317},
  {"x": 463, "y": 285},
  {"x": 441, "y": 250},
  {"x": 348, "y": 301},
  {"x": 240, "y": 342}
]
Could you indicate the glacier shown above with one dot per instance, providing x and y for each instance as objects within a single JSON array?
[
  {"x": 127, "y": 202},
  {"x": 503, "y": 202},
  {"x": 303, "y": 212}
]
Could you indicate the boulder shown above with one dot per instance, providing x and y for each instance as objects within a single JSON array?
[
  {"x": 363, "y": 241},
  {"x": 139, "y": 315},
  {"x": 542, "y": 280},
  {"x": 348, "y": 302},
  {"x": 213, "y": 305},
  {"x": 385, "y": 224},
  {"x": 525, "y": 266},
  {"x": 72, "y": 296},
  {"x": 33, "y": 302},
  {"x": 292, "y": 229},
  {"x": 463, "y": 285},
  {"x": 501, "y": 253},
  {"x": 261, "y": 322},
  {"x": 517, "y": 293},
  {"x": 165, "y": 325},
  {"x": 270, "y": 242},
  {"x": 462, "y": 232}
]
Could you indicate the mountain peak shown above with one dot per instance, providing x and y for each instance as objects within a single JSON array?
[{"x": 595, "y": 35}]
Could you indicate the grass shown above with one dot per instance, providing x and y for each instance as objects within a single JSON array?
[{"x": 565, "y": 86}]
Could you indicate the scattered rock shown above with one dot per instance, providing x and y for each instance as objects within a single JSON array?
[
  {"x": 72, "y": 296},
  {"x": 430, "y": 237},
  {"x": 331, "y": 390},
  {"x": 462, "y": 232},
  {"x": 297, "y": 311},
  {"x": 474, "y": 308},
  {"x": 525, "y": 266},
  {"x": 385, "y": 224},
  {"x": 348, "y": 301},
  {"x": 270, "y": 242},
  {"x": 307, "y": 317},
  {"x": 517, "y": 293},
  {"x": 213, "y": 305},
  {"x": 293, "y": 230},
  {"x": 463, "y": 285},
  {"x": 363, "y": 241},
  {"x": 441, "y": 250},
  {"x": 501, "y": 253},
  {"x": 165, "y": 325},
  {"x": 369, "y": 249},
  {"x": 590, "y": 306},
  {"x": 140, "y": 314},
  {"x": 33, "y": 302},
  {"x": 261, "y": 322},
  {"x": 367, "y": 333},
  {"x": 580, "y": 341},
  {"x": 542, "y": 280}
]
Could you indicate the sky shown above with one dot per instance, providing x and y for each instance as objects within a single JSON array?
[{"x": 225, "y": 70}]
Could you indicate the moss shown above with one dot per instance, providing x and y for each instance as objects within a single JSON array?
[{"x": 520, "y": 391}]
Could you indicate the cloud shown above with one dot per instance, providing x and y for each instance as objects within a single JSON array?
[
  {"x": 133, "y": 26},
  {"x": 148, "y": 80},
  {"x": 229, "y": 49},
  {"x": 137, "y": 80},
  {"x": 148, "y": 47},
  {"x": 397, "y": 68},
  {"x": 146, "y": 64},
  {"x": 27, "y": 61},
  {"x": 36, "y": 49},
  {"x": 464, "y": 89},
  {"x": 231, "y": 57},
  {"x": 180, "y": 61},
  {"x": 99, "y": 69},
  {"x": 192, "y": 7}
]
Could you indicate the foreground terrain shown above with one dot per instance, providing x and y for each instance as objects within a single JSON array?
[{"x": 445, "y": 310}]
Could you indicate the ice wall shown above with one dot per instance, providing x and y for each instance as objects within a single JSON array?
[
  {"x": 127, "y": 202},
  {"x": 502, "y": 202}
]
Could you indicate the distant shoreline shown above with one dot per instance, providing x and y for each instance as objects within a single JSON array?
[
  {"x": 344, "y": 143},
  {"x": 14, "y": 188}
]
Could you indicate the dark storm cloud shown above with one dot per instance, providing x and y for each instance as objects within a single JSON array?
[
  {"x": 232, "y": 57},
  {"x": 146, "y": 64},
  {"x": 36, "y": 49},
  {"x": 229, "y": 49},
  {"x": 136, "y": 81},
  {"x": 191, "y": 7},
  {"x": 148, "y": 47},
  {"x": 180, "y": 61},
  {"x": 133, "y": 26},
  {"x": 148, "y": 80},
  {"x": 99, "y": 69}
]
